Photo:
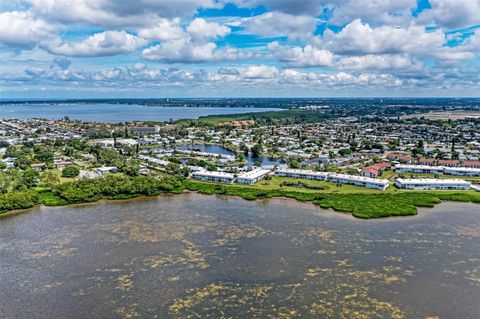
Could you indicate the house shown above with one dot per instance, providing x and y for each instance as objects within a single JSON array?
[
  {"x": 62, "y": 165},
  {"x": 370, "y": 172},
  {"x": 89, "y": 175},
  {"x": 375, "y": 169},
  {"x": 9, "y": 161},
  {"x": 38, "y": 167},
  {"x": 107, "y": 169},
  {"x": 432, "y": 183},
  {"x": 406, "y": 159},
  {"x": 392, "y": 156}
]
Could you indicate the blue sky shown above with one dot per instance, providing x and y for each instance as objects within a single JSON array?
[{"x": 221, "y": 48}]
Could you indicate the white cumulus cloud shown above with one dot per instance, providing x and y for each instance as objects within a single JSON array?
[{"x": 100, "y": 44}]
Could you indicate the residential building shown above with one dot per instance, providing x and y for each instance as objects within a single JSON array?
[
  {"x": 432, "y": 183},
  {"x": 448, "y": 163},
  {"x": 374, "y": 170},
  {"x": 418, "y": 169},
  {"x": 472, "y": 164},
  {"x": 427, "y": 161},
  {"x": 252, "y": 176},
  {"x": 300, "y": 173},
  {"x": 107, "y": 169},
  {"x": 380, "y": 184},
  {"x": 219, "y": 177},
  {"x": 462, "y": 171}
]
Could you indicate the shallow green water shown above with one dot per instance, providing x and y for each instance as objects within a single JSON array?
[{"x": 203, "y": 256}]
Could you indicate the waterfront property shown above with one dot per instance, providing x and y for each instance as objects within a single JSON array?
[
  {"x": 426, "y": 169},
  {"x": 380, "y": 184},
  {"x": 375, "y": 183},
  {"x": 431, "y": 183},
  {"x": 252, "y": 176},
  {"x": 462, "y": 171},
  {"x": 219, "y": 177},
  {"x": 419, "y": 169},
  {"x": 301, "y": 173}
]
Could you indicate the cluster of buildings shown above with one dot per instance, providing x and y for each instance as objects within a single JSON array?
[
  {"x": 375, "y": 170},
  {"x": 362, "y": 181},
  {"x": 253, "y": 176}
]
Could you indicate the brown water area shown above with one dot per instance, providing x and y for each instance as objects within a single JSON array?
[{"x": 196, "y": 256}]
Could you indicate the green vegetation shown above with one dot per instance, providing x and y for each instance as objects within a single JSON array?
[
  {"x": 284, "y": 117},
  {"x": 18, "y": 200},
  {"x": 112, "y": 187},
  {"x": 361, "y": 202},
  {"x": 71, "y": 171}
]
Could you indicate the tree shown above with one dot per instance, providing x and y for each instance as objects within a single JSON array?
[
  {"x": 70, "y": 171},
  {"x": 345, "y": 151},
  {"x": 212, "y": 167},
  {"x": 68, "y": 151},
  {"x": 29, "y": 178},
  {"x": 257, "y": 150},
  {"x": 240, "y": 157},
  {"x": 257, "y": 163},
  {"x": 44, "y": 156},
  {"x": 50, "y": 178},
  {"x": 294, "y": 164},
  {"x": 131, "y": 168},
  {"x": 5, "y": 182}
]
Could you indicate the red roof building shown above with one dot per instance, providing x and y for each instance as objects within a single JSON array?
[
  {"x": 375, "y": 169},
  {"x": 448, "y": 163},
  {"x": 427, "y": 161},
  {"x": 472, "y": 164},
  {"x": 404, "y": 159}
]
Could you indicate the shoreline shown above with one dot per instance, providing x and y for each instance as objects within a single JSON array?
[{"x": 187, "y": 191}]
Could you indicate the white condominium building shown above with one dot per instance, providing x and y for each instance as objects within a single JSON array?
[
  {"x": 253, "y": 176},
  {"x": 431, "y": 183},
  {"x": 426, "y": 169},
  {"x": 381, "y": 184},
  {"x": 368, "y": 182},
  {"x": 301, "y": 173},
  {"x": 419, "y": 169},
  {"x": 219, "y": 177},
  {"x": 462, "y": 171}
]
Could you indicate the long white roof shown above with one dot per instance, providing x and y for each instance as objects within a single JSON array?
[
  {"x": 256, "y": 173},
  {"x": 302, "y": 171},
  {"x": 360, "y": 178},
  {"x": 214, "y": 174},
  {"x": 432, "y": 181}
]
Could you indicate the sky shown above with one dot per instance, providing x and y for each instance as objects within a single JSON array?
[{"x": 239, "y": 48}]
